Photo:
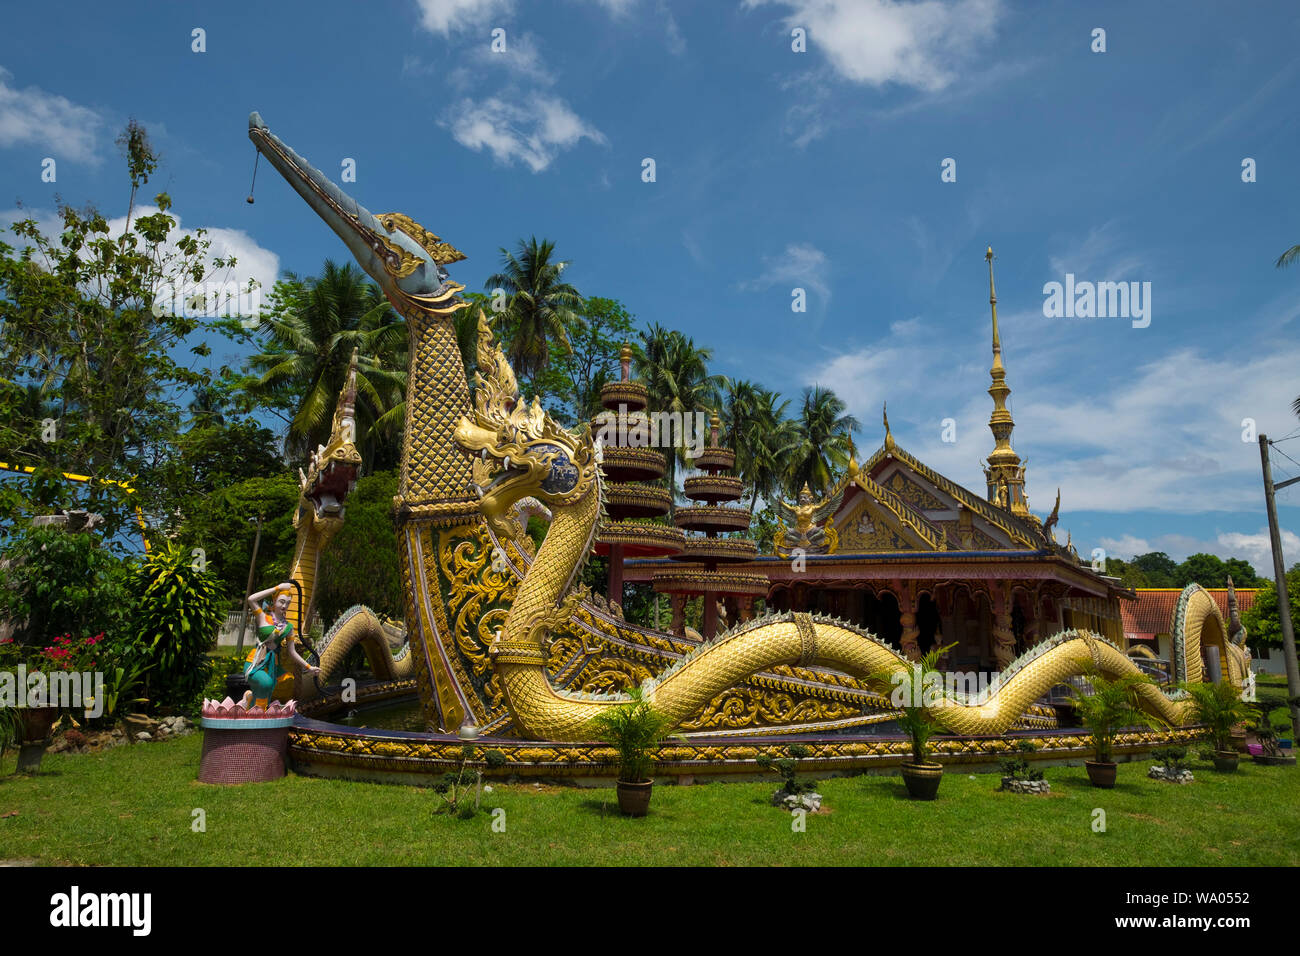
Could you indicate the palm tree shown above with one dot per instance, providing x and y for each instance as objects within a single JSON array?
[
  {"x": 825, "y": 440},
  {"x": 676, "y": 374},
  {"x": 311, "y": 332},
  {"x": 538, "y": 307},
  {"x": 756, "y": 427},
  {"x": 770, "y": 442}
]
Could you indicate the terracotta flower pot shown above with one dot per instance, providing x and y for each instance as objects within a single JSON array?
[
  {"x": 1225, "y": 761},
  {"x": 37, "y": 723},
  {"x": 1102, "y": 773},
  {"x": 922, "y": 779},
  {"x": 634, "y": 798}
]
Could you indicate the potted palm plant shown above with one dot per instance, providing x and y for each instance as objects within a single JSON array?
[
  {"x": 1109, "y": 708},
  {"x": 1219, "y": 707},
  {"x": 921, "y": 775},
  {"x": 635, "y": 729}
]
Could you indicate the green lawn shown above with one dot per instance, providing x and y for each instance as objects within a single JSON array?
[{"x": 133, "y": 806}]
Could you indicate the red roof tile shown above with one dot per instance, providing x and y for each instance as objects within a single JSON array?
[{"x": 1153, "y": 611}]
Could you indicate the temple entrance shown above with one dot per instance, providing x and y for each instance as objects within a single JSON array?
[
  {"x": 928, "y": 623},
  {"x": 882, "y": 617}
]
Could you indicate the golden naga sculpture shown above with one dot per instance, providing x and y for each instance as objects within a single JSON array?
[
  {"x": 497, "y": 633},
  {"x": 536, "y": 458},
  {"x": 323, "y": 491}
]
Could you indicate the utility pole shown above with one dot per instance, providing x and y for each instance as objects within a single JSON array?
[
  {"x": 252, "y": 567},
  {"x": 1283, "y": 595}
]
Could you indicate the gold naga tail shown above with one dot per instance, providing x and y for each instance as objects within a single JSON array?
[{"x": 524, "y": 453}]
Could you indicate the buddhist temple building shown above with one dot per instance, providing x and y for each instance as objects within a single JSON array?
[{"x": 921, "y": 561}]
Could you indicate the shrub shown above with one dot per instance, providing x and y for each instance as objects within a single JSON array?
[
  {"x": 1110, "y": 708},
  {"x": 60, "y": 582},
  {"x": 635, "y": 729},
  {"x": 787, "y": 768},
  {"x": 173, "y": 622},
  {"x": 1017, "y": 767},
  {"x": 1219, "y": 707}
]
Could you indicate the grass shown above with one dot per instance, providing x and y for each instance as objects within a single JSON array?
[{"x": 132, "y": 806}]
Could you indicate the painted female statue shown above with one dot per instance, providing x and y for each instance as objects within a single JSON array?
[{"x": 275, "y": 632}]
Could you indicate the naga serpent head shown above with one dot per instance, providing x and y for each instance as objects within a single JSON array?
[
  {"x": 332, "y": 472},
  {"x": 403, "y": 257},
  {"x": 521, "y": 450}
]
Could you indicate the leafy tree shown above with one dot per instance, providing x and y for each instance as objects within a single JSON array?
[
  {"x": 1207, "y": 570},
  {"x": 1263, "y": 623},
  {"x": 60, "y": 582},
  {"x": 769, "y": 441},
  {"x": 1159, "y": 568},
  {"x": 575, "y": 375},
  {"x": 89, "y": 340},
  {"x": 223, "y": 524},
  {"x": 361, "y": 565},
  {"x": 539, "y": 305}
]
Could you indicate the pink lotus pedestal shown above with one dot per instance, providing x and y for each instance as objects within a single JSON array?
[{"x": 244, "y": 745}]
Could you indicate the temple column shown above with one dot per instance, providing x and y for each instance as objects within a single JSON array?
[
  {"x": 678, "y": 625},
  {"x": 709, "y": 626},
  {"x": 615, "y": 590},
  {"x": 1004, "y": 638},
  {"x": 943, "y": 604},
  {"x": 910, "y": 640}
]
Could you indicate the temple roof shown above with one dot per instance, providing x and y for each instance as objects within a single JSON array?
[
  {"x": 924, "y": 509},
  {"x": 1153, "y": 611}
]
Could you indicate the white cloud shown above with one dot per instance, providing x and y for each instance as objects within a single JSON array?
[
  {"x": 800, "y": 265},
  {"x": 533, "y": 132},
  {"x": 1254, "y": 548},
  {"x": 33, "y": 117},
  {"x": 445, "y": 17},
  {"x": 876, "y": 42},
  {"x": 1156, "y": 428},
  {"x": 1126, "y": 547},
  {"x": 252, "y": 261},
  {"x": 1100, "y": 256}
]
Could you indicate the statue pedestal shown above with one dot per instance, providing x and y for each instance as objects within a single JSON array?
[{"x": 243, "y": 746}]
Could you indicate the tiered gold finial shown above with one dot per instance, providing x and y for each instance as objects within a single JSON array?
[{"x": 1005, "y": 474}]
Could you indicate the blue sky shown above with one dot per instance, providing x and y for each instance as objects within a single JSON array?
[{"x": 777, "y": 170}]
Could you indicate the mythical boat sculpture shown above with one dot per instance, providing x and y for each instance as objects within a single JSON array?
[{"x": 500, "y": 637}]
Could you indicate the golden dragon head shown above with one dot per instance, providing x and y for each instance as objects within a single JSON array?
[
  {"x": 332, "y": 472},
  {"x": 521, "y": 450}
]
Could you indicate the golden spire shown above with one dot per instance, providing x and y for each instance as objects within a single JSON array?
[
  {"x": 1004, "y": 467},
  {"x": 889, "y": 438}
]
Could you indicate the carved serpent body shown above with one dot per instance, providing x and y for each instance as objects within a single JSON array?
[{"x": 539, "y": 459}]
